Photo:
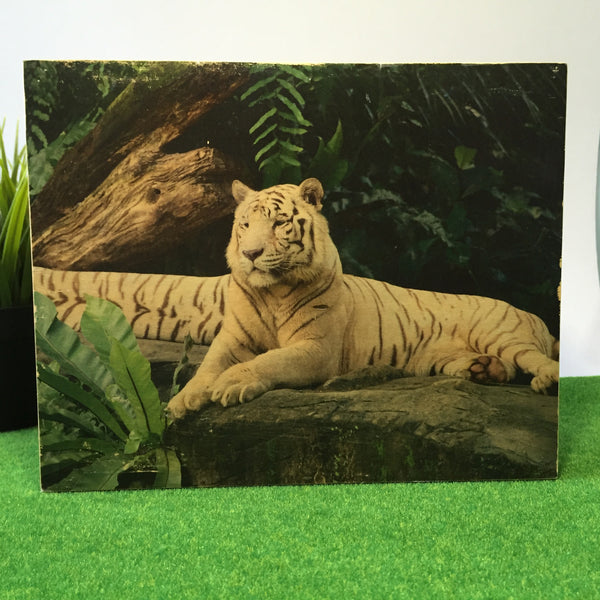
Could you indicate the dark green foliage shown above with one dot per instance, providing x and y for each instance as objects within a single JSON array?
[
  {"x": 448, "y": 177},
  {"x": 65, "y": 100},
  {"x": 100, "y": 414},
  {"x": 445, "y": 177},
  {"x": 278, "y": 131}
]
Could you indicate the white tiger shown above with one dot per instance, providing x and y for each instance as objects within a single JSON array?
[
  {"x": 288, "y": 316},
  {"x": 293, "y": 318}
]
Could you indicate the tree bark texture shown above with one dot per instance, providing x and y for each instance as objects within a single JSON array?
[{"x": 118, "y": 194}]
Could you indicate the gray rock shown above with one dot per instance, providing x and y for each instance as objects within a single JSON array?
[{"x": 368, "y": 427}]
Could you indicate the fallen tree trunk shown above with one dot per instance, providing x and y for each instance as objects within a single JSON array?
[
  {"x": 148, "y": 205},
  {"x": 119, "y": 193},
  {"x": 412, "y": 429}
]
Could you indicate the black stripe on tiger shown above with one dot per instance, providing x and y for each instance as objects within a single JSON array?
[
  {"x": 371, "y": 360},
  {"x": 175, "y": 331},
  {"x": 78, "y": 302},
  {"x": 252, "y": 302},
  {"x": 217, "y": 328},
  {"x": 222, "y": 302},
  {"x": 403, "y": 333},
  {"x": 510, "y": 343},
  {"x": 250, "y": 343},
  {"x": 415, "y": 298},
  {"x": 200, "y": 327},
  {"x": 162, "y": 309},
  {"x": 518, "y": 355},
  {"x": 499, "y": 334},
  {"x": 378, "y": 306},
  {"x": 300, "y": 242},
  {"x": 197, "y": 295},
  {"x": 433, "y": 337},
  {"x": 472, "y": 338},
  {"x": 140, "y": 309},
  {"x": 310, "y": 297}
]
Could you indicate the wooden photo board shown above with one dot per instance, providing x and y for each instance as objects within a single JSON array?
[{"x": 364, "y": 260}]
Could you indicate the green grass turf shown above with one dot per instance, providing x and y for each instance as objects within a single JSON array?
[{"x": 443, "y": 540}]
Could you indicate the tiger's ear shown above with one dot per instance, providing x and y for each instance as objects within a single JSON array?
[
  {"x": 311, "y": 191},
  {"x": 239, "y": 191}
]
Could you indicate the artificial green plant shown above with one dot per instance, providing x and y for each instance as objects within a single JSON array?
[
  {"x": 15, "y": 249},
  {"x": 100, "y": 413}
]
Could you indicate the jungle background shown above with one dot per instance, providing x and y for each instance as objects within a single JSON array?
[{"x": 442, "y": 177}]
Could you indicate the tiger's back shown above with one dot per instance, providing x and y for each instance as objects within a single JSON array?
[
  {"x": 426, "y": 332},
  {"x": 158, "y": 307}
]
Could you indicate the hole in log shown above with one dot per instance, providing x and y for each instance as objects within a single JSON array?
[{"x": 154, "y": 194}]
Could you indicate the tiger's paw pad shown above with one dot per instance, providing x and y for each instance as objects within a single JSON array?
[{"x": 488, "y": 369}]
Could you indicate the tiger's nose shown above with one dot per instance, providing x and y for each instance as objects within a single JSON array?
[{"x": 252, "y": 255}]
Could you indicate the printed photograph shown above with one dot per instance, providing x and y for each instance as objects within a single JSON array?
[{"x": 270, "y": 274}]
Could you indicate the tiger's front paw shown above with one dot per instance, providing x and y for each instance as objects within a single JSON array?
[
  {"x": 192, "y": 397},
  {"x": 236, "y": 385}
]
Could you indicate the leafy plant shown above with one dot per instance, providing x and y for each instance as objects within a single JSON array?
[
  {"x": 440, "y": 172},
  {"x": 477, "y": 147},
  {"x": 100, "y": 413},
  {"x": 277, "y": 133},
  {"x": 58, "y": 116},
  {"x": 328, "y": 164},
  {"x": 15, "y": 253},
  {"x": 356, "y": 218}
]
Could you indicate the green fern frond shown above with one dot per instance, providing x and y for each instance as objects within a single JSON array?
[
  {"x": 262, "y": 120},
  {"x": 298, "y": 73},
  {"x": 278, "y": 130},
  {"x": 265, "y": 133},
  {"x": 292, "y": 90}
]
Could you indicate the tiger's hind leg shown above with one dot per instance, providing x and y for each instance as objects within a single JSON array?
[{"x": 544, "y": 369}]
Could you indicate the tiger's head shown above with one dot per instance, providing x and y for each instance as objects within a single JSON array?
[{"x": 279, "y": 235}]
